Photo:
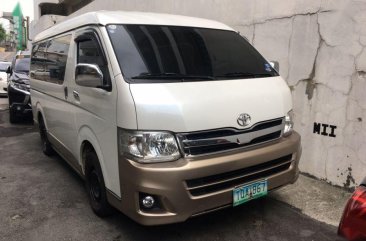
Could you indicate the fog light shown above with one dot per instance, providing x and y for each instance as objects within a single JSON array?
[{"x": 148, "y": 201}]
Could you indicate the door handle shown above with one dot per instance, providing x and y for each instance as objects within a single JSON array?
[
  {"x": 66, "y": 92},
  {"x": 76, "y": 95}
]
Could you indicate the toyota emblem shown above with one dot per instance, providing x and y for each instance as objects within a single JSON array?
[{"x": 244, "y": 119}]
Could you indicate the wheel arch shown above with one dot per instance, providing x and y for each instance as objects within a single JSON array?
[
  {"x": 38, "y": 114},
  {"x": 88, "y": 140}
]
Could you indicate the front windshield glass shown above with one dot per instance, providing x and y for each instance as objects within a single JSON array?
[
  {"x": 22, "y": 65},
  {"x": 152, "y": 53}
]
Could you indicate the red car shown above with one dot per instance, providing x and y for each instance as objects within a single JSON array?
[{"x": 353, "y": 222}]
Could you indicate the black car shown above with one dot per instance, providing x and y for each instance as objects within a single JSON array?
[{"x": 18, "y": 89}]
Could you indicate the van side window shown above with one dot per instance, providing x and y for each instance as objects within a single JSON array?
[
  {"x": 37, "y": 70},
  {"x": 56, "y": 56},
  {"x": 49, "y": 59},
  {"x": 89, "y": 52}
]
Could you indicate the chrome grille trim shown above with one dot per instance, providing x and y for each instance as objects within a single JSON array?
[
  {"x": 237, "y": 139},
  {"x": 233, "y": 139},
  {"x": 241, "y": 176},
  {"x": 225, "y": 181}
]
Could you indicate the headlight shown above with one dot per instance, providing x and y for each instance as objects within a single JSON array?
[
  {"x": 20, "y": 86},
  {"x": 289, "y": 123},
  {"x": 148, "y": 147}
]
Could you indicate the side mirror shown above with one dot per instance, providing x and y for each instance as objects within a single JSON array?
[
  {"x": 89, "y": 75},
  {"x": 275, "y": 65},
  {"x": 8, "y": 70}
]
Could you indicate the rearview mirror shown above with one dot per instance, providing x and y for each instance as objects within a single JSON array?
[
  {"x": 89, "y": 75},
  {"x": 275, "y": 65}
]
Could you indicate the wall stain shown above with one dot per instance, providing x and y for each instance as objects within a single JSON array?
[
  {"x": 310, "y": 86},
  {"x": 350, "y": 180},
  {"x": 361, "y": 74}
]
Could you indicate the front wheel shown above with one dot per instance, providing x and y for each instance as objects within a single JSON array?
[
  {"x": 95, "y": 186},
  {"x": 13, "y": 118}
]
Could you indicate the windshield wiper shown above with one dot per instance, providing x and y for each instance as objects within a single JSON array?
[
  {"x": 175, "y": 76},
  {"x": 245, "y": 75}
]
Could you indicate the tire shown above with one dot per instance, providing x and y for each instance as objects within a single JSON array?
[
  {"x": 46, "y": 145},
  {"x": 12, "y": 117},
  {"x": 95, "y": 186}
]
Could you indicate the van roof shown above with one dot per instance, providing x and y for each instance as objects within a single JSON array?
[{"x": 123, "y": 17}]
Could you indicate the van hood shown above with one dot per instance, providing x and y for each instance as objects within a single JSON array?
[{"x": 204, "y": 105}]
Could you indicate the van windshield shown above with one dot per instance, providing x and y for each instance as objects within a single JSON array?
[{"x": 149, "y": 53}]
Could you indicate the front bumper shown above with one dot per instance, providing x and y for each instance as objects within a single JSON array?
[
  {"x": 168, "y": 181},
  {"x": 19, "y": 101}
]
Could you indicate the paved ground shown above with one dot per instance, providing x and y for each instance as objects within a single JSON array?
[
  {"x": 315, "y": 198},
  {"x": 41, "y": 198}
]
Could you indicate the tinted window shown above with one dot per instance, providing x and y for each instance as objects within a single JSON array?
[
  {"x": 49, "y": 59},
  {"x": 39, "y": 50},
  {"x": 89, "y": 52},
  {"x": 56, "y": 58},
  {"x": 22, "y": 65},
  {"x": 185, "y": 53},
  {"x": 38, "y": 61}
]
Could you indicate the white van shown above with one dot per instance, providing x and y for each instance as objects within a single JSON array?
[{"x": 165, "y": 117}]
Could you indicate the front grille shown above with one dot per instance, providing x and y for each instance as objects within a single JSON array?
[
  {"x": 211, "y": 141},
  {"x": 16, "y": 97},
  {"x": 222, "y": 181}
]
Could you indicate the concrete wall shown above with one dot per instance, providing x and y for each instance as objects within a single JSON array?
[
  {"x": 37, "y": 9},
  {"x": 320, "y": 45},
  {"x": 44, "y": 22}
]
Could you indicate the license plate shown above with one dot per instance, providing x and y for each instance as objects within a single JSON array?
[{"x": 248, "y": 192}]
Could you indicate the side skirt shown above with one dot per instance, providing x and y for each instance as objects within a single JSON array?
[{"x": 65, "y": 154}]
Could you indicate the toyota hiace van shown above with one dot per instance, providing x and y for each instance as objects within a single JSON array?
[{"x": 165, "y": 117}]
